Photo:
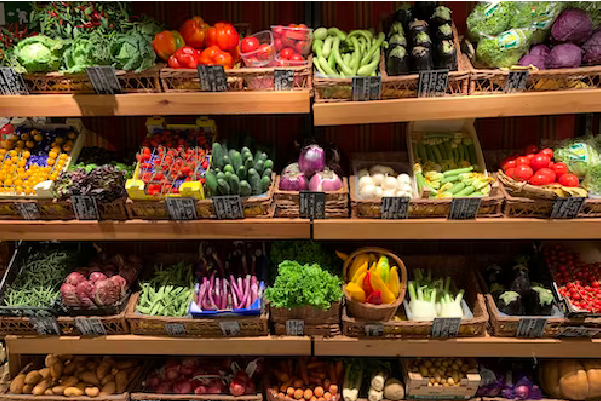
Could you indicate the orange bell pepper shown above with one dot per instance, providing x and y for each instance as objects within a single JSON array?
[
  {"x": 166, "y": 43},
  {"x": 223, "y": 35},
  {"x": 194, "y": 32}
]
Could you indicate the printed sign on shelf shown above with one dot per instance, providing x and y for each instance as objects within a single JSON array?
[
  {"x": 181, "y": 208},
  {"x": 366, "y": 88},
  {"x": 312, "y": 205},
  {"x": 394, "y": 207},
  {"x": 432, "y": 83}
]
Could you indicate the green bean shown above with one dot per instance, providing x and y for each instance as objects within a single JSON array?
[{"x": 168, "y": 293}]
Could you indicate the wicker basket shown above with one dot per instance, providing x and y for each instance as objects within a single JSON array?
[
  {"x": 287, "y": 202},
  {"x": 273, "y": 396},
  {"x": 368, "y": 312},
  {"x": 158, "y": 325},
  {"x": 317, "y": 322},
  {"x": 238, "y": 79},
  {"x": 56, "y": 82},
  {"x": 444, "y": 265},
  {"x": 106, "y": 210},
  {"x": 419, "y": 387}
]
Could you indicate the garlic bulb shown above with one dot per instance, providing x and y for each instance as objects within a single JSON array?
[
  {"x": 363, "y": 173},
  {"x": 403, "y": 179},
  {"x": 382, "y": 170},
  {"x": 363, "y": 181},
  {"x": 378, "y": 178},
  {"x": 378, "y": 191},
  {"x": 368, "y": 191},
  {"x": 389, "y": 183},
  {"x": 389, "y": 192}
]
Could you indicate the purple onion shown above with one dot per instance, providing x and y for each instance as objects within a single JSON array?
[
  {"x": 522, "y": 392},
  {"x": 535, "y": 393},
  {"x": 293, "y": 182},
  {"x": 326, "y": 180},
  {"x": 311, "y": 160}
]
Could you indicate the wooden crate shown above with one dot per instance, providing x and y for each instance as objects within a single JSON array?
[
  {"x": 317, "y": 322},
  {"x": 287, "y": 202},
  {"x": 416, "y": 387}
]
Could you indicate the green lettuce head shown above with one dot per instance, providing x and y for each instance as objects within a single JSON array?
[
  {"x": 87, "y": 52},
  {"x": 40, "y": 53},
  {"x": 132, "y": 52}
]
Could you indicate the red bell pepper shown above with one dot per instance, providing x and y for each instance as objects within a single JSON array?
[
  {"x": 223, "y": 35},
  {"x": 194, "y": 32},
  {"x": 367, "y": 287},
  {"x": 375, "y": 298},
  {"x": 186, "y": 57},
  {"x": 166, "y": 43}
]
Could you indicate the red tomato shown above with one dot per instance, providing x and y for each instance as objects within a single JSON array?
[
  {"x": 560, "y": 169},
  {"x": 508, "y": 164},
  {"x": 301, "y": 46},
  {"x": 530, "y": 157},
  {"x": 210, "y": 53},
  {"x": 286, "y": 53},
  {"x": 249, "y": 44},
  {"x": 224, "y": 59},
  {"x": 264, "y": 52},
  {"x": 548, "y": 171},
  {"x": 173, "y": 63},
  {"x": 278, "y": 44},
  {"x": 281, "y": 63},
  {"x": 277, "y": 30},
  {"x": 522, "y": 161},
  {"x": 296, "y": 57},
  {"x": 531, "y": 149},
  {"x": 522, "y": 173},
  {"x": 223, "y": 35},
  {"x": 509, "y": 172},
  {"x": 540, "y": 161},
  {"x": 569, "y": 180},
  {"x": 547, "y": 152},
  {"x": 540, "y": 179}
]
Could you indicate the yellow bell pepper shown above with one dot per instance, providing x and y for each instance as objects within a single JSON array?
[
  {"x": 393, "y": 282},
  {"x": 356, "y": 292},
  {"x": 385, "y": 293},
  {"x": 357, "y": 262},
  {"x": 362, "y": 269},
  {"x": 360, "y": 278},
  {"x": 373, "y": 268}
]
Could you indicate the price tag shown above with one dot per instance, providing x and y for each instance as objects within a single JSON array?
[
  {"x": 516, "y": 81},
  {"x": 90, "y": 326},
  {"x": 29, "y": 210},
  {"x": 230, "y": 328},
  {"x": 181, "y": 208},
  {"x": 394, "y": 207},
  {"x": 366, "y": 88},
  {"x": 432, "y": 83},
  {"x": 103, "y": 79},
  {"x": 312, "y": 205},
  {"x": 567, "y": 208},
  {"x": 374, "y": 330},
  {"x": 85, "y": 207},
  {"x": 295, "y": 327},
  {"x": 531, "y": 327},
  {"x": 11, "y": 82},
  {"x": 579, "y": 332},
  {"x": 175, "y": 329},
  {"x": 46, "y": 325},
  {"x": 212, "y": 78},
  {"x": 228, "y": 207},
  {"x": 446, "y": 326},
  {"x": 283, "y": 80},
  {"x": 464, "y": 208}
]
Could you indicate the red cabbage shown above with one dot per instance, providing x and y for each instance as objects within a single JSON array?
[
  {"x": 565, "y": 56},
  {"x": 592, "y": 49},
  {"x": 311, "y": 160},
  {"x": 540, "y": 49},
  {"x": 326, "y": 180},
  {"x": 537, "y": 60},
  {"x": 521, "y": 392},
  {"x": 572, "y": 25}
]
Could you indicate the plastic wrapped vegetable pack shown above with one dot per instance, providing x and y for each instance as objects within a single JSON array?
[
  {"x": 504, "y": 50},
  {"x": 490, "y": 19}
]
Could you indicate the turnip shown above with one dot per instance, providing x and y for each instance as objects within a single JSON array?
[
  {"x": 106, "y": 293},
  {"x": 97, "y": 276},
  {"x": 215, "y": 387},
  {"x": 75, "y": 278},
  {"x": 200, "y": 390},
  {"x": 83, "y": 290}
]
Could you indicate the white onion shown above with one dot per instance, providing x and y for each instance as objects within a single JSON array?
[
  {"x": 406, "y": 187},
  {"x": 389, "y": 192},
  {"x": 378, "y": 178},
  {"x": 403, "y": 179},
  {"x": 381, "y": 170},
  {"x": 368, "y": 191},
  {"x": 389, "y": 183},
  {"x": 378, "y": 191},
  {"x": 363, "y": 181},
  {"x": 403, "y": 193},
  {"x": 363, "y": 173}
]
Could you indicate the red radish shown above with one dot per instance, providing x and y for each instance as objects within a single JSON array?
[
  {"x": 522, "y": 161},
  {"x": 236, "y": 389},
  {"x": 200, "y": 390},
  {"x": 548, "y": 171},
  {"x": 540, "y": 161},
  {"x": 84, "y": 293},
  {"x": 569, "y": 180},
  {"x": 119, "y": 281},
  {"x": 75, "y": 278},
  {"x": 183, "y": 387},
  {"x": 215, "y": 387},
  {"x": 69, "y": 295},
  {"x": 164, "y": 388},
  {"x": 547, "y": 152},
  {"x": 106, "y": 293}
]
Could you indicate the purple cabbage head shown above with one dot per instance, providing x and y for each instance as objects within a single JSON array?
[
  {"x": 540, "y": 49},
  {"x": 572, "y": 25},
  {"x": 565, "y": 56},
  {"x": 537, "y": 60},
  {"x": 592, "y": 49}
]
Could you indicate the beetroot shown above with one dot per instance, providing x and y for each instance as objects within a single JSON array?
[
  {"x": 75, "y": 278},
  {"x": 200, "y": 390},
  {"x": 183, "y": 387},
  {"x": 69, "y": 295},
  {"x": 236, "y": 389},
  {"x": 172, "y": 370},
  {"x": 106, "y": 293},
  {"x": 119, "y": 281},
  {"x": 84, "y": 293},
  {"x": 152, "y": 381},
  {"x": 215, "y": 387}
]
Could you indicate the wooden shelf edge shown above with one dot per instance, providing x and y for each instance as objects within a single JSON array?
[
  {"x": 149, "y": 104},
  {"x": 130, "y": 344},
  {"x": 80, "y": 230},
  {"x": 475, "y": 106},
  {"x": 493, "y": 228},
  {"x": 492, "y": 347}
]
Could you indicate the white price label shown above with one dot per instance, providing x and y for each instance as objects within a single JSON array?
[
  {"x": 175, "y": 329},
  {"x": 230, "y": 328},
  {"x": 90, "y": 326},
  {"x": 295, "y": 327}
]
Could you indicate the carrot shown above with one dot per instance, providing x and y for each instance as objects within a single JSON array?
[
  {"x": 339, "y": 370},
  {"x": 303, "y": 371}
]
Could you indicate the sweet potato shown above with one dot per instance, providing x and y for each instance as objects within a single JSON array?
[
  {"x": 73, "y": 392},
  {"x": 16, "y": 386}
]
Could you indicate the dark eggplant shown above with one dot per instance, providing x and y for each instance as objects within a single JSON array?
[
  {"x": 397, "y": 40},
  {"x": 422, "y": 59},
  {"x": 441, "y": 15},
  {"x": 416, "y": 27},
  {"x": 396, "y": 63},
  {"x": 424, "y": 9},
  {"x": 545, "y": 301},
  {"x": 396, "y": 29},
  {"x": 446, "y": 55},
  {"x": 444, "y": 32},
  {"x": 422, "y": 39},
  {"x": 510, "y": 303},
  {"x": 404, "y": 15}
]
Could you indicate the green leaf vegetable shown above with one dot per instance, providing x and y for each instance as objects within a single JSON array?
[
  {"x": 300, "y": 285},
  {"x": 39, "y": 54},
  {"x": 305, "y": 253},
  {"x": 132, "y": 51},
  {"x": 168, "y": 293},
  {"x": 490, "y": 19},
  {"x": 85, "y": 52}
]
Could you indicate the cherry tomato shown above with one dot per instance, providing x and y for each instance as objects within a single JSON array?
[
  {"x": 547, "y": 152},
  {"x": 296, "y": 57},
  {"x": 522, "y": 173},
  {"x": 277, "y": 30},
  {"x": 264, "y": 52},
  {"x": 508, "y": 164},
  {"x": 278, "y": 44},
  {"x": 286, "y": 53},
  {"x": 540, "y": 161},
  {"x": 569, "y": 180},
  {"x": 522, "y": 161},
  {"x": 548, "y": 171},
  {"x": 560, "y": 169},
  {"x": 301, "y": 46},
  {"x": 249, "y": 44},
  {"x": 532, "y": 149}
]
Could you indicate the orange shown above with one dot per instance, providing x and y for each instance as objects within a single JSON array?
[
  {"x": 12, "y": 153},
  {"x": 52, "y": 154},
  {"x": 19, "y": 188},
  {"x": 26, "y": 154}
]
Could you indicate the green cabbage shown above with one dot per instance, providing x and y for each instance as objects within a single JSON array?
[
  {"x": 578, "y": 154},
  {"x": 40, "y": 53},
  {"x": 87, "y": 52},
  {"x": 504, "y": 50},
  {"x": 132, "y": 51}
]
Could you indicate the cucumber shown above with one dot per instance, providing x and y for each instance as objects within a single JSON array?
[
  {"x": 471, "y": 149},
  {"x": 255, "y": 181},
  {"x": 443, "y": 151},
  {"x": 223, "y": 187},
  {"x": 416, "y": 152},
  {"x": 220, "y": 176},
  {"x": 437, "y": 154},
  {"x": 234, "y": 182},
  {"x": 461, "y": 149},
  {"x": 245, "y": 188},
  {"x": 249, "y": 163},
  {"x": 226, "y": 160},
  {"x": 265, "y": 182},
  {"x": 260, "y": 167},
  {"x": 211, "y": 181},
  {"x": 429, "y": 154},
  {"x": 241, "y": 173},
  {"x": 457, "y": 171},
  {"x": 228, "y": 168},
  {"x": 217, "y": 155},
  {"x": 476, "y": 193},
  {"x": 268, "y": 164},
  {"x": 236, "y": 159},
  {"x": 457, "y": 187},
  {"x": 421, "y": 151},
  {"x": 267, "y": 173}
]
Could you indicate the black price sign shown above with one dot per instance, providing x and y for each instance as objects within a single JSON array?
[
  {"x": 228, "y": 207},
  {"x": 46, "y": 325},
  {"x": 432, "y": 83},
  {"x": 374, "y": 330},
  {"x": 394, "y": 207},
  {"x": 464, "y": 208},
  {"x": 531, "y": 327},
  {"x": 567, "y": 208},
  {"x": 230, "y": 328},
  {"x": 446, "y": 326},
  {"x": 11, "y": 82},
  {"x": 579, "y": 332},
  {"x": 283, "y": 80},
  {"x": 366, "y": 88},
  {"x": 103, "y": 79},
  {"x": 174, "y": 329},
  {"x": 85, "y": 207},
  {"x": 516, "y": 81},
  {"x": 29, "y": 210},
  {"x": 90, "y": 326},
  {"x": 295, "y": 327},
  {"x": 312, "y": 205},
  {"x": 212, "y": 78},
  {"x": 181, "y": 208}
]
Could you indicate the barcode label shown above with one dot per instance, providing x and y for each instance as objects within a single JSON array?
[
  {"x": 46, "y": 325},
  {"x": 295, "y": 327},
  {"x": 230, "y": 328},
  {"x": 516, "y": 81},
  {"x": 29, "y": 210},
  {"x": 212, "y": 78},
  {"x": 531, "y": 327},
  {"x": 90, "y": 326},
  {"x": 366, "y": 88},
  {"x": 103, "y": 79},
  {"x": 567, "y": 208},
  {"x": 394, "y": 207},
  {"x": 446, "y": 326},
  {"x": 464, "y": 208},
  {"x": 85, "y": 207},
  {"x": 433, "y": 83},
  {"x": 228, "y": 207},
  {"x": 312, "y": 205},
  {"x": 181, "y": 208},
  {"x": 11, "y": 82}
]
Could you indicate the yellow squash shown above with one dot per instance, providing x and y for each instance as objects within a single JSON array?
[
  {"x": 393, "y": 282},
  {"x": 362, "y": 269}
]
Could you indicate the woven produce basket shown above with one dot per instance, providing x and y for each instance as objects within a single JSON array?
[
  {"x": 56, "y": 82},
  {"x": 317, "y": 322},
  {"x": 106, "y": 210},
  {"x": 365, "y": 311},
  {"x": 443, "y": 265},
  {"x": 287, "y": 202},
  {"x": 273, "y": 396}
]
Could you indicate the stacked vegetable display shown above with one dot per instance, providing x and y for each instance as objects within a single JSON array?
[
  {"x": 373, "y": 280},
  {"x": 372, "y": 380},
  {"x": 310, "y": 173},
  {"x": 383, "y": 181},
  {"x": 304, "y": 379},
  {"x": 168, "y": 292},
  {"x": 510, "y": 379},
  {"x": 429, "y": 299}
]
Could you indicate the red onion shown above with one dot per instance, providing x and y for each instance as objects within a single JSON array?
[
  {"x": 293, "y": 182},
  {"x": 164, "y": 388},
  {"x": 75, "y": 278},
  {"x": 311, "y": 160},
  {"x": 521, "y": 392},
  {"x": 84, "y": 293},
  {"x": 326, "y": 180},
  {"x": 97, "y": 276},
  {"x": 183, "y": 387},
  {"x": 120, "y": 281}
]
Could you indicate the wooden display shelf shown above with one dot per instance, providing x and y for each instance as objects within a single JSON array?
[
  {"x": 493, "y": 347},
  {"x": 476, "y": 106},
  {"x": 420, "y": 229},
  {"x": 157, "y": 104},
  {"x": 131, "y": 344},
  {"x": 82, "y": 230}
]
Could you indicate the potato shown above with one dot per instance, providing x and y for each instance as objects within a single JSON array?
[
  {"x": 56, "y": 370},
  {"x": 16, "y": 386},
  {"x": 89, "y": 377},
  {"x": 58, "y": 390},
  {"x": 92, "y": 366},
  {"x": 68, "y": 369},
  {"x": 82, "y": 385},
  {"x": 28, "y": 388},
  {"x": 109, "y": 388},
  {"x": 114, "y": 371},
  {"x": 69, "y": 381},
  {"x": 72, "y": 392},
  {"x": 121, "y": 381},
  {"x": 45, "y": 373},
  {"x": 41, "y": 387},
  {"x": 79, "y": 370},
  {"x": 134, "y": 373},
  {"x": 107, "y": 378},
  {"x": 92, "y": 391},
  {"x": 33, "y": 377},
  {"x": 126, "y": 364},
  {"x": 48, "y": 392},
  {"x": 50, "y": 360},
  {"x": 102, "y": 370}
]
